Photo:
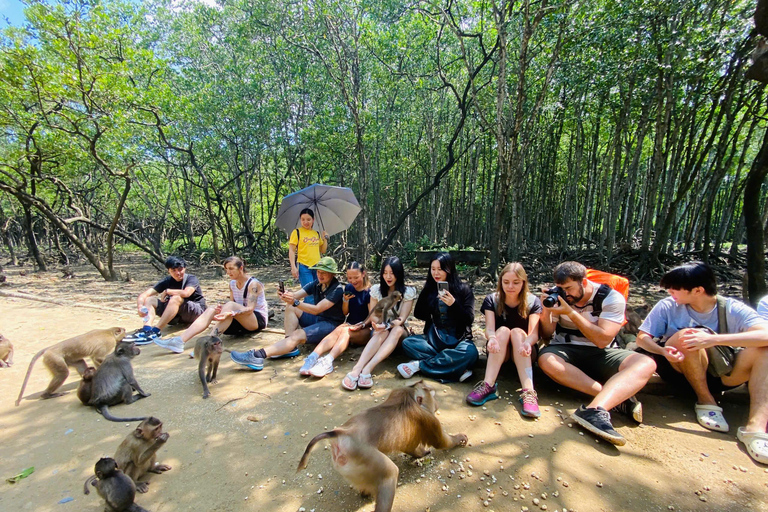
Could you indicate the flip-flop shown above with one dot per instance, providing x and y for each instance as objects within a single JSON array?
[
  {"x": 365, "y": 381},
  {"x": 352, "y": 379},
  {"x": 711, "y": 417},
  {"x": 756, "y": 443}
]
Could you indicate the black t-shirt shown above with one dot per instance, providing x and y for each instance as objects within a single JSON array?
[
  {"x": 358, "y": 305},
  {"x": 334, "y": 293},
  {"x": 513, "y": 318},
  {"x": 169, "y": 283}
]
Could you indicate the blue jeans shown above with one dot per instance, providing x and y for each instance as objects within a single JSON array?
[
  {"x": 307, "y": 276},
  {"x": 441, "y": 362}
]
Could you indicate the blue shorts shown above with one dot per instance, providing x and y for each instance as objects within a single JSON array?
[{"x": 316, "y": 327}]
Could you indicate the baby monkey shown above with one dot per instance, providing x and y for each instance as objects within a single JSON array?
[
  {"x": 208, "y": 350},
  {"x": 114, "y": 486},
  {"x": 383, "y": 307}
]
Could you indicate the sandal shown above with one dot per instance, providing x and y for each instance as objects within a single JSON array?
[
  {"x": 352, "y": 382},
  {"x": 365, "y": 381},
  {"x": 711, "y": 417},
  {"x": 756, "y": 443}
]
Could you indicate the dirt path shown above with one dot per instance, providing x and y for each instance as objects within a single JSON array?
[{"x": 224, "y": 461}]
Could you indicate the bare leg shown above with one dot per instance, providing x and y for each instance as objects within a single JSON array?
[
  {"x": 291, "y": 323},
  {"x": 493, "y": 366},
  {"x": 389, "y": 346},
  {"x": 522, "y": 363},
  {"x": 694, "y": 367},
  {"x": 369, "y": 351},
  {"x": 174, "y": 303},
  {"x": 568, "y": 375},
  {"x": 198, "y": 325},
  {"x": 633, "y": 374},
  {"x": 752, "y": 365},
  {"x": 286, "y": 344},
  {"x": 330, "y": 341}
]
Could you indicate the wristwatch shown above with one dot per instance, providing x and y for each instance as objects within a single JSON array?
[{"x": 296, "y": 303}]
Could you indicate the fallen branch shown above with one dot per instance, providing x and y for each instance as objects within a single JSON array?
[
  {"x": 247, "y": 392},
  {"x": 17, "y": 295}
]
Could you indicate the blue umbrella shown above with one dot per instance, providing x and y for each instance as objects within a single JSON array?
[{"x": 335, "y": 208}]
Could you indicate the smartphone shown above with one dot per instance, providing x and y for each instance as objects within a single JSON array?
[
  {"x": 442, "y": 286},
  {"x": 281, "y": 286}
]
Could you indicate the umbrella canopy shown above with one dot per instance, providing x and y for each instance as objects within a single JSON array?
[{"x": 335, "y": 208}]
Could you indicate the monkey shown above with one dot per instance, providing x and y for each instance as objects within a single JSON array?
[
  {"x": 6, "y": 352},
  {"x": 138, "y": 451},
  {"x": 208, "y": 349},
  {"x": 96, "y": 344},
  {"x": 84, "y": 389},
  {"x": 114, "y": 486},
  {"x": 383, "y": 307},
  {"x": 405, "y": 422},
  {"x": 114, "y": 382},
  {"x": 628, "y": 332}
]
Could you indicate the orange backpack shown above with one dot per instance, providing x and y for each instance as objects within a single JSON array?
[{"x": 607, "y": 282}]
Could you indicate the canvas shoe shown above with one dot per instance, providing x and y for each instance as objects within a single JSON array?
[
  {"x": 482, "y": 393},
  {"x": 309, "y": 362},
  {"x": 632, "y": 408},
  {"x": 598, "y": 421},
  {"x": 248, "y": 359},
  {"x": 323, "y": 367},
  {"x": 173, "y": 344}
]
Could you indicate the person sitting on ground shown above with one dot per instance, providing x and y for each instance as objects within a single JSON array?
[
  {"x": 762, "y": 307},
  {"x": 305, "y": 247},
  {"x": 710, "y": 342},
  {"x": 246, "y": 312},
  {"x": 385, "y": 338},
  {"x": 304, "y": 323},
  {"x": 512, "y": 329},
  {"x": 177, "y": 297},
  {"x": 446, "y": 351},
  {"x": 583, "y": 349},
  {"x": 356, "y": 306}
]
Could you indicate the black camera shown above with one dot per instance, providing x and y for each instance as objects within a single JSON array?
[{"x": 551, "y": 300}]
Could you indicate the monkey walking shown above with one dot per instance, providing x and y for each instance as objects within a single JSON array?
[
  {"x": 383, "y": 307},
  {"x": 208, "y": 349},
  {"x": 137, "y": 454},
  {"x": 116, "y": 488},
  {"x": 113, "y": 382},
  {"x": 405, "y": 422},
  {"x": 96, "y": 344},
  {"x": 6, "y": 352}
]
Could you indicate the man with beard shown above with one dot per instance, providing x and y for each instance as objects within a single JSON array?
[{"x": 584, "y": 355}]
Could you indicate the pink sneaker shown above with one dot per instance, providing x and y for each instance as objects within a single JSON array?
[{"x": 530, "y": 401}]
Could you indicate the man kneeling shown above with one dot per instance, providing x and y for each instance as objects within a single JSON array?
[
  {"x": 713, "y": 343},
  {"x": 583, "y": 349}
]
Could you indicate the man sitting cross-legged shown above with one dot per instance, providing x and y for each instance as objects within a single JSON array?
[
  {"x": 583, "y": 349},
  {"x": 712, "y": 343}
]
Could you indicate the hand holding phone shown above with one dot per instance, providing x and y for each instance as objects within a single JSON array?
[
  {"x": 281, "y": 286},
  {"x": 442, "y": 287}
]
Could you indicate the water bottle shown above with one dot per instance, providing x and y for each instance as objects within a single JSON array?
[{"x": 144, "y": 310}]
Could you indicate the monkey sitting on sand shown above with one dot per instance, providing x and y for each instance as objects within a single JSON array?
[
  {"x": 137, "y": 454},
  {"x": 117, "y": 489},
  {"x": 405, "y": 422}
]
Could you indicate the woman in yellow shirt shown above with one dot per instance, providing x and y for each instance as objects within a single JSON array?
[{"x": 305, "y": 247}]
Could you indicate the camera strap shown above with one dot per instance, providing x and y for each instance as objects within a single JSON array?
[{"x": 597, "y": 307}]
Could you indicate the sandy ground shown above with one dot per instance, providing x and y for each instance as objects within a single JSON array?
[{"x": 224, "y": 461}]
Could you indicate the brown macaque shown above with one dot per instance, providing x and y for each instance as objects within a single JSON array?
[
  {"x": 96, "y": 345},
  {"x": 137, "y": 453},
  {"x": 405, "y": 422},
  {"x": 208, "y": 350},
  {"x": 84, "y": 389},
  {"x": 114, "y": 486},
  {"x": 114, "y": 382},
  {"x": 6, "y": 352},
  {"x": 383, "y": 307}
]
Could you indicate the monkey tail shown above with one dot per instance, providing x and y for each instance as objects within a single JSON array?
[
  {"x": 319, "y": 437},
  {"x": 136, "y": 508},
  {"x": 91, "y": 479},
  {"x": 104, "y": 410},
  {"x": 29, "y": 372}
]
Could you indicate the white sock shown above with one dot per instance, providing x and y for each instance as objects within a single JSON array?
[{"x": 529, "y": 372}]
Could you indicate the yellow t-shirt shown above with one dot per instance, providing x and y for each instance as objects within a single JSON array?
[{"x": 308, "y": 244}]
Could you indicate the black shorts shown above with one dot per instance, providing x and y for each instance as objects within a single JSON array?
[
  {"x": 236, "y": 328},
  {"x": 677, "y": 380}
]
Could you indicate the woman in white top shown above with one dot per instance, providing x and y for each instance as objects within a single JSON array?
[
  {"x": 246, "y": 312},
  {"x": 385, "y": 338}
]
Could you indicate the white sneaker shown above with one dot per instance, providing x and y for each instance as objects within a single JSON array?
[
  {"x": 408, "y": 370},
  {"x": 309, "y": 362},
  {"x": 322, "y": 367},
  {"x": 173, "y": 344},
  {"x": 464, "y": 376}
]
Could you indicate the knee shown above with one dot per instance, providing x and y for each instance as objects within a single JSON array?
[
  {"x": 518, "y": 335},
  {"x": 396, "y": 333},
  {"x": 176, "y": 300},
  {"x": 503, "y": 333},
  {"x": 548, "y": 363}
]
